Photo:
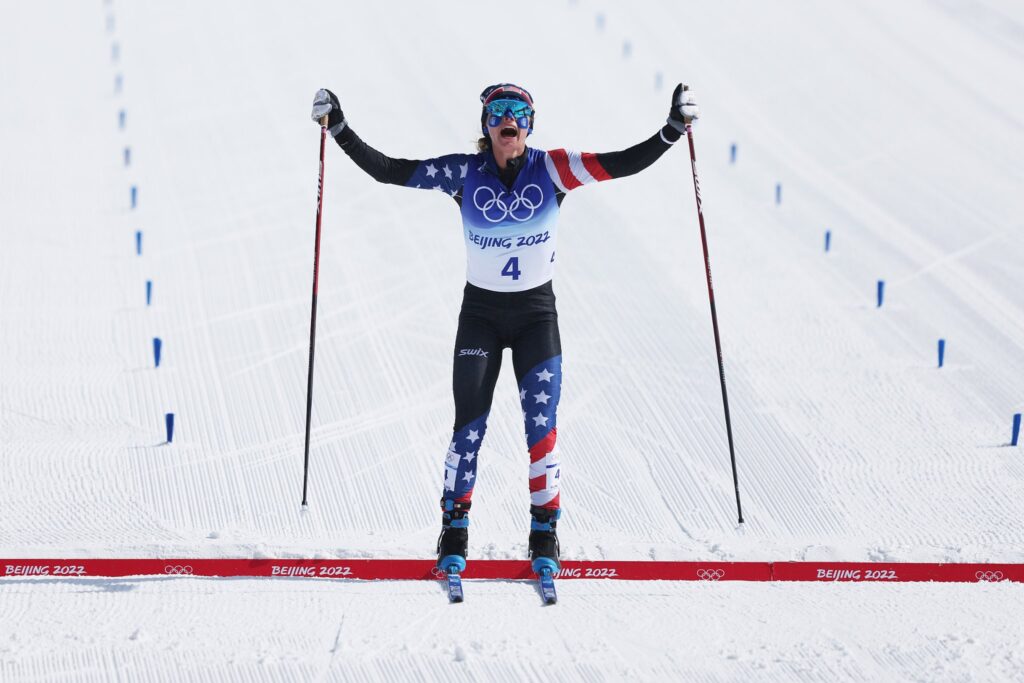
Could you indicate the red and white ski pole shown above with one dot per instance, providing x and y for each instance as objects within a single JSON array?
[
  {"x": 714, "y": 315},
  {"x": 312, "y": 317}
]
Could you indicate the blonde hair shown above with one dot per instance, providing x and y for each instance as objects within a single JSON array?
[{"x": 483, "y": 144}]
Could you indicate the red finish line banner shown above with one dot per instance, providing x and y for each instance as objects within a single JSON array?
[
  {"x": 424, "y": 570},
  {"x": 896, "y": 572},
  {"x": 407, "y": 570}
]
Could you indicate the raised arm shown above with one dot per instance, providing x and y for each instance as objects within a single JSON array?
[
  {"x": 445, "y": 173},
  {"x": 569, "y": 169}
]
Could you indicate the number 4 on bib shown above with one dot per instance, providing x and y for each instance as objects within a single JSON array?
[{"x": 511, "y": 268}]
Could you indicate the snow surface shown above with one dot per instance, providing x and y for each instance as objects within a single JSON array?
[{"x": 897, "y": 126}]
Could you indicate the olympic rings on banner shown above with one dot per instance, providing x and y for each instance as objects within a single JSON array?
[
  {"x": 178, "y": 570},
  {"x": 988, "y": 576},
  {"x": 710, "y": 574}
]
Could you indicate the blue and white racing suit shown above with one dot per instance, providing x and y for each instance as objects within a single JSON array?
[{"x": 510, "y": 226}]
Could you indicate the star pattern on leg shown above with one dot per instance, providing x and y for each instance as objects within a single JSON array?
[
  {"x": 540, "y": 419},
  {"x": 541, "y": 397},
  {"x": 544, "y": 375},
  {"x": 474, "y": 436}
]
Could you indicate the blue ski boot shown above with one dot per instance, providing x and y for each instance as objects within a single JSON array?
[
  {"x": 451, "y": 544},
  {"x": 544, "y": 540}
]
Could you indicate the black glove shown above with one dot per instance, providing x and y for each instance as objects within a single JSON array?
[
  {"x": 325, "y": 103},
  {"x": 684, "y": 108}
]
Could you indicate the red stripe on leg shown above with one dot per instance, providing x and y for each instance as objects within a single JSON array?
[
  {"x": 544, "y": 446},
  {"x": 553, "y": 504},
  {"x": 538, "y": 483}
]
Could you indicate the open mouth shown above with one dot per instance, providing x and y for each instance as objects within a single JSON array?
[{"x": 509, "y": 132}]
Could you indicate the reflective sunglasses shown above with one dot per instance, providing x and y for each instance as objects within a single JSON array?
[{"x": 517, "y": 109}]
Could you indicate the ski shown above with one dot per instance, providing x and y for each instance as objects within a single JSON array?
[
  {"x": 454, "y": 587},
  {"x": 453, "y": 566},
  {"x": 547, "y": 586}
]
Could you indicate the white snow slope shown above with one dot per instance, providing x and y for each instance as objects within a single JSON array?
[{"x": 897, "y": 126}]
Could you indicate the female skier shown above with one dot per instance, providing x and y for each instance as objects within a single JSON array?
[{"x": 509, "y": 196}]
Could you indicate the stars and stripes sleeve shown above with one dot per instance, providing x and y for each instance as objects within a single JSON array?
[
  {"x": 569, "y": 169},
  {"x": 446, "y": 173}
]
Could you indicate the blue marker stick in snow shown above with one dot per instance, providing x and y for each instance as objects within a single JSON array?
[
  {"x": 778, "y": 193},
  {"x": 942, "y": 352},
  {"x": 658, "y": 80},
  {"x": 169, "y": 419},
  {"x": 627, "y": 49},
  {"x": 732, "y": 153},
  {"x": 149, "y": 292},
  {"x": 1015, "y": 437},
  {"x": 135, "y": 196},
  {"x": 121, "y": 116},
  {"x": 118, "y": 82},
  {"x": 158, "y": 345},
  {"x": 115, "y": 52},
  {"x": 127, "y": 156},
  {"x": 881, "y": 292},
  {"x": 138, "y": 242},
  {"x": 599, "y": 21},
  {"x": 828, "y": 240}
]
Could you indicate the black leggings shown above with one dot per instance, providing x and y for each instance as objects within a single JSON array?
[{"x": 526, "y": 322}]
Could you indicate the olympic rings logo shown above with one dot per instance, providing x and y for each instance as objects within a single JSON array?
[
  {"x": 989, "y": 576},
  {"x": 496, "y": 209},
  {"x": 710, "y": 574},
  {"x": 178, "y": 570},
  {"x": 437, "y": 573}
]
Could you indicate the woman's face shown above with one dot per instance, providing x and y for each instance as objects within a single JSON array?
[{"x": 508, "y": 138}]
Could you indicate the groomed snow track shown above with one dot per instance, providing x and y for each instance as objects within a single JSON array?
[{"x": 890, "y": 483}]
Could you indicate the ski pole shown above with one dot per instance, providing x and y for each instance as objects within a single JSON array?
[
  {"x": 714, "y": 314},
  {"x": 312, "y": 316}
]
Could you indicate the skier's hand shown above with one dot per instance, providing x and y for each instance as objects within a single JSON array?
[
  {"x": 684, "y": 109},
  {"x": 325, "y": 103}
]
